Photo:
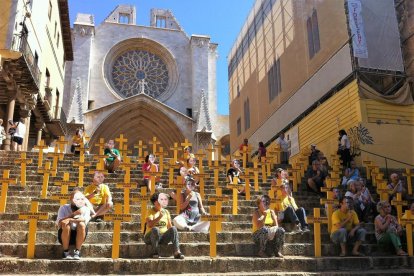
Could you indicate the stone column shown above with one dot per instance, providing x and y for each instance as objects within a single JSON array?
[
  {"x": 10, "y": 114},
  {"x": 25, "y": 114},
  {"x": 39, "y": 127}
]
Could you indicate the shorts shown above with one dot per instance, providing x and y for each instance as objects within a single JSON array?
[
  {"x": 18, "y": 140},
  {"x": 72, "y": 239}
]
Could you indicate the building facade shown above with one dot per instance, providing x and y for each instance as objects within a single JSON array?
[
  {"x": 35, "y": 44},
  {"x": 143, "y": 81},
  {"x": 311, "y": 68}
]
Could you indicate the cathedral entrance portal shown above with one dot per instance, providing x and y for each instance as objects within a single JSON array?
[{"x": 139, "y": 120}]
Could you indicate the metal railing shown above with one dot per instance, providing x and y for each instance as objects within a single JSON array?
[
  {"x": 386, "y": 160},
  {"x": 20, "y": 44},
  {"x": 60, "y": 115}
]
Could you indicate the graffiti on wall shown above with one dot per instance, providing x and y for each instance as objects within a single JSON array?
[{"x": 359, "y": 135}]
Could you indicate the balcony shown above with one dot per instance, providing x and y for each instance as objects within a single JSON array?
[
  {"x": 25, "y": 70},
  {"x": 58, "y": 125}
]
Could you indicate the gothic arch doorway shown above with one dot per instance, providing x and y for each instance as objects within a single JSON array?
[{"x": 139, "y": 120}]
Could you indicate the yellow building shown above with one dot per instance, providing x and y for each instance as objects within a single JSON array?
[
  {"x": 311, "y": 68},
  {"x": 35, "y": 43}
]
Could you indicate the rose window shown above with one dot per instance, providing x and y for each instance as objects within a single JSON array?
[{"x": 139, "y": 71}]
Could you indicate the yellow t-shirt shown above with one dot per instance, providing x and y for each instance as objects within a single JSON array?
[
  {"x": 99, "y": 198},
  {"x": 338, "y": 216},
  {"x": 162, "y": 223},
  {"x": 286, "y": 203},
  {"x": 268, "y": 221}
]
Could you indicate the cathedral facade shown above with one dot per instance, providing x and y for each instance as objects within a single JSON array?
[{"x": 143, "y": 81}]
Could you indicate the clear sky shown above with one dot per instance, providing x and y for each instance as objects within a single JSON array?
[{"x": 222, "y": 20}]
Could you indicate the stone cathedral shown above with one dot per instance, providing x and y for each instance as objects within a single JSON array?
[{"x": 143, "y": 81}]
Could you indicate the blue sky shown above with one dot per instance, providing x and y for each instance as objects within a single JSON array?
[{"x": 222, "y": 20}]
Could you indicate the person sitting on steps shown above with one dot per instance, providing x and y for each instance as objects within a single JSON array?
[
  {"x": 158, "y": 228},
  {"x": 100, "y": 196}
]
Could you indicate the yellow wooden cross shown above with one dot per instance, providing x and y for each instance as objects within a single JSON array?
[
  {"x": 330, "y": 201},
  {"x": 200, "y": 156},
  {"x": 140, "y": 146},
  {"x": 101, "y": 146},
  {"x": 61, "y": 143},
  {"x": 317, "y": 220},
  {"x": 81, "y": 164},
  {"x": 330, "y": 184},
  {"x": 153, "y": 174},
  {"x": 276, "y": 202},
  {"x": 40, "y": 147},
  {"x": 408, "y": 173},
  {"x": 184, "y": 145},
  {"x": 227, "y": 162},
  {"x": 33, "y": 216},
  {"x": 374, "y": 173},
  {"x": 216, "y": 168},
  {"x": 171, "y": 166},
  {"x": 126, "y": 165},
  {"x": 201, "y": 183},
  {"x": 366, "y": 164},
  {"x": 178, "y": 185},
  {"x": 46, "y": 173},
  {"x": 263, "y": 169},
  {"x": 383, "y": 190},
  {"x": 100, "y": 165},
  {"x": 5, "y": 182},
  {"x": 175, "y": 150},
  {"x": 218, "y": 199},
  {"x": 219, "y": 147},
  {"x": 154, "y": 144},
  {"x": 246, "y": 177},
  {"x": 63, "y": 196},
  {"x": 121, "y": 140},
  {"x": 256, "y": 175},
  {"x": 124, "y": 151},
  {"x": 143, "y": 199},
  {"x": 234, "y": 186},
  {"x": 213, "y": 219},
  {"x": 127, "y": 185},
  {"x": 56, "y": 157},
  {"x": 81, "y": 148},
  {"x": 117, "y": 217},
  {"x": 408, "y": 222},
  {"x": 161, "y": 154},
  {"x": 274, "y": 153},
  {"x": 399, "y": 203},
  {"x": 245, "y": 153},
  {"x": 294, "y": 178},
  {"x": 23, "y": 161},
  {"x": 210, "y": 152}
]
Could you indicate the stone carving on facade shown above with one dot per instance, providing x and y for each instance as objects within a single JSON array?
[{"x": 139, "y": 71}]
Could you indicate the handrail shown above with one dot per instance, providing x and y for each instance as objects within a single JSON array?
[
  {"x": 401, "y": 162},
  {"x": 387, "y": 158}
]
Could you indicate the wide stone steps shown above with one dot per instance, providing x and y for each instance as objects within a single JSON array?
[
  {"x": 199, "y": 264},
  {"x": 96, "y": 236},
  {"x": 141, "y": 250},
  {"x": 235, "y": 246}
]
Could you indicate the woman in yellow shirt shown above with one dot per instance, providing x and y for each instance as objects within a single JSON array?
[{"x": 266, "y": 232}]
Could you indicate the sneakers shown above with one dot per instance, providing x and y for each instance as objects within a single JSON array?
[
  {"x": 297, "y": 229},
  {"x": 305, "y": 229},
  {"x": 159, "y": 186},
  {"x": 76, "y": 255},
  {"x": 66, "y": 255}
]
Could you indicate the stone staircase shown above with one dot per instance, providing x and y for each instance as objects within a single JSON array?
[{"x": 235, "y": 249}]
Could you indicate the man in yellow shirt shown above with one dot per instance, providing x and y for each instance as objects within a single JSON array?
[
  {"x": 100, "y": 196},
  {"x": 291, "y": 212},
  {"x": 159, "y": 229},
  {"x": 345, "y": 227}
]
